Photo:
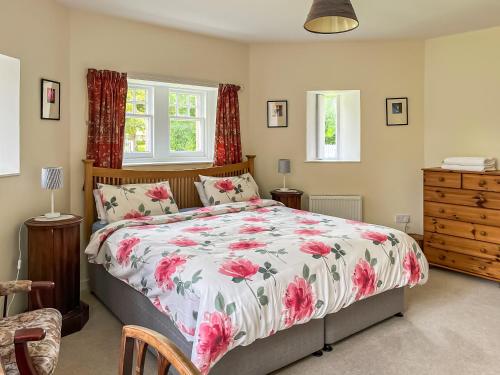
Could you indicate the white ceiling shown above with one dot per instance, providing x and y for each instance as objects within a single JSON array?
[{"x": 282, "y": 20}]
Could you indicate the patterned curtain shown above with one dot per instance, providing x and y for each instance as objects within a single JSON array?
[
  {"x": 106, "y": 127},
  {"x": 227, "y": 131}
]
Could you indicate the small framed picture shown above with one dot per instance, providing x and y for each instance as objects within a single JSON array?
[
  {"x": 50, "y": 100},
  {"x": 397, "y": 111},
  {"x": 277, "y": 114}
]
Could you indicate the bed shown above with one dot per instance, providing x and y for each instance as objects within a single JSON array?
[{"x": 283, "y": 259}]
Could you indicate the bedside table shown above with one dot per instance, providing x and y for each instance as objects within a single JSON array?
[
  {"x": 292, "y": 199},
  {"x": 54, "y": 255}
]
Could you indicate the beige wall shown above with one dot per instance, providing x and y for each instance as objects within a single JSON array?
[
  {"x": 388, "y": 176},
  {"x": 36, "y": 32},
  {"x": 462, "y": 96},
  {"x": 126, "y": 46}
]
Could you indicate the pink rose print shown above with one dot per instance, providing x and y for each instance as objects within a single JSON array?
[
  {"x": 103, "y": 236},
  {"x": 376, "y": 237},
  {"x": 209, "y": 218},
  {"x": 187, "y": 330},
  {"x": 197, "y": 229},
  {"x": 412, "y": 268},
  {"x": 308, "y": 221},
  {"x": 252, "y": 230},
  {"x": 246, "y": 245},
  {"x": 134, "y": 214},
  {"x": 254, "y": 219},
  {"x": 263, "y": 210},
  {"x": 298, "y": 300},
  {"x": 183, "y": 242},
  {"x": 158, "y": 194},
  {"x": 309, "y": 232},
  {"x": 214, "y": 337},
  {"x": 355, "y": 222},
  {"x": 125, "y": 247},
  {"x": 166, "y": 268},
  {"x": 239, "y": 269},
  {"x": 255, "y": 200},
  {"x": 224, "y": 185},
  {"x": 204, "y": 209},
  {"x": 315, "y": 248},
  {"x": 364, "y": 279},
  {"x": 157, "y": 304}
]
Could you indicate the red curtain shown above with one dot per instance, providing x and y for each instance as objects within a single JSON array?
[
  {"x": 227, "y": 131},
  {"x": 106, "y": 127}
]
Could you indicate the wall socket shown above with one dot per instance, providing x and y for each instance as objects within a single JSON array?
[{"x": 403, "y": 219}]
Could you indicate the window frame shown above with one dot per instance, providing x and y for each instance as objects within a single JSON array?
[
  {"x": 160, "y": 120},
  {"x": 149, "y": 114}
]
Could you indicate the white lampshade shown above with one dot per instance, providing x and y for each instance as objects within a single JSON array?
[
  {"x": 52, "y": 178},
  {"x": 284, "y": 166}
]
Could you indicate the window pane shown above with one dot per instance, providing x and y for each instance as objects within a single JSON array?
[
  {"x": 129, "y": 108},
  {"x": 172, "y": 100},
  {"x": 130, "y": 95},
  {"x": 192, "y": 105},
  {"x": 140, "y": 95},
  {"x": 183, "y": 104},
  {"x": 330, "y": 126},
  {"x": 183, "y": 135},
  {"x": 140, "y": 108},
  {"x": 137, "y": 135}
]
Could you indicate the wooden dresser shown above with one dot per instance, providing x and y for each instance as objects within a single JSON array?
[{"x": 462, "y": 221}]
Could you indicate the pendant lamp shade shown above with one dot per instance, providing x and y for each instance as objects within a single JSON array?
[{"x": 331, "y": 17}]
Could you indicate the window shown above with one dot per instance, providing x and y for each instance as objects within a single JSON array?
[
  {"x": 169, "y": 123},
  {"x": 333, "y": 125},
  {"x": 10, "y": 74}
]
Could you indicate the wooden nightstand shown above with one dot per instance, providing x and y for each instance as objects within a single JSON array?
[
  {"x": 292, "y": 198},
  {"x": 54, "y": 255}
]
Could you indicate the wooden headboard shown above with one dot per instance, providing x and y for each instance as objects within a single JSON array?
[{"x": 181, "y": 182}]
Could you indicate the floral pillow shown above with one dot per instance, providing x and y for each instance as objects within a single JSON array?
[
  {"x": 136, "y": 201},
  {"x": 220, "y": 190}
]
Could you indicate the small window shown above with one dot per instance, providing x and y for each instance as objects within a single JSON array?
[
  {"x": 169, "y": 123},
  {"x": 333, "y": 126}
]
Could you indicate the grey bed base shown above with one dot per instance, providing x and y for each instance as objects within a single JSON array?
[{"x": 264, "y": 355}]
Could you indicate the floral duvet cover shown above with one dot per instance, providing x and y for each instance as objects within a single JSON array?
[{"x": 230, "y": 274}]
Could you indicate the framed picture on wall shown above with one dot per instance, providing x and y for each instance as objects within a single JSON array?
[
  {"x": 50, "y": 100},
  {"x": 397, "y": 111},
  {"x": 277, "y": 114}
]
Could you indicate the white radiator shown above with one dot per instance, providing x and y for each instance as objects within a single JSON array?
[{"x": 343, "y": 206}]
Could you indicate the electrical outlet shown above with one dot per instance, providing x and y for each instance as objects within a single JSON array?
[{"x": 403, "y": 219}]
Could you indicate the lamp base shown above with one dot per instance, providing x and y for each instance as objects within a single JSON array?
[
  {"x": 52, "y": 215},
  {"x": 285, "y": 189}
]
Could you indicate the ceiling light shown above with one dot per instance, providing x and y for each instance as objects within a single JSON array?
[{"x": 331, "y": 17}]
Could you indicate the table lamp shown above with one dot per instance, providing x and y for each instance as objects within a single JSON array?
[
  {"x": 52, "y": 179},
  {"x": 284, "y": 169}
]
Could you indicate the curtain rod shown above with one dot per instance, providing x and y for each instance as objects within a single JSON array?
[{"x": 170, "y": 79}]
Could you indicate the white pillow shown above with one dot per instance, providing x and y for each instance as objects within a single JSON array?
[
  {"x": 201, "y": 193},
  {"x": 101, "y": 212},
  {"x": 220, "y": 190}
]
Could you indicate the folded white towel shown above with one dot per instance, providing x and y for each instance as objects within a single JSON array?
[
  {"x": 469, "y": 161},
  {"x": 470, "y": 168}
]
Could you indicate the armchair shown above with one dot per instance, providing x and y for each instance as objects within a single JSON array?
[{"x": 29, "y": 342}]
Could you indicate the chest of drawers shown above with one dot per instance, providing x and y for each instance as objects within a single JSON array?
[{"x": 462, "y": 221}]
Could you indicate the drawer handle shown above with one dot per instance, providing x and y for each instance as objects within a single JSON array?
[
  {"x": 483, "y": 233},
  {"x": 483, "y": 216},
  {"x": 483, "y": 250},
  {"x": 441, "y": 179},
  {"x": 482, "y": 182},
  {"x": 441, "y": 257},
  {"x": 482, "y": 268}
]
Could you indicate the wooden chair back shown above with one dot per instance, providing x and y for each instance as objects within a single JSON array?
[{"x": 139, "y": 338}]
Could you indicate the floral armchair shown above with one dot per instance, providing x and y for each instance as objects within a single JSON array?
[{"x": 29, "y": 342}]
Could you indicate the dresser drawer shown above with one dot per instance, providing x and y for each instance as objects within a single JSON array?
[
  {"x": 444, "y": 179},
  {"x": 467, "y": 263},
  {"x": 487, "y": 233},
  {"x": 462, "y": 197},
  {"x": 462, "y": 245},
  {"x": 481, "y": 182},
  {"x": 451, "y": 227},
  {"x": 462, "y": 213}
]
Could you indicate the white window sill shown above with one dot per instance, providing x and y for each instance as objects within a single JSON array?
[
  {"x": 332, "y": 161},
  {"x": 179, "y": 162}
]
